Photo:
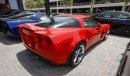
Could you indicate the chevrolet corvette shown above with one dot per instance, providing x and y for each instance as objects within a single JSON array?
[
  {"x": 9, "y": 25},
  {"x": 63, "y": 38},
  {"x": 9, "y": 13}
]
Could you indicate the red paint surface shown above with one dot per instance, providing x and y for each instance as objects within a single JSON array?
[{"x": 56, "y": 44}]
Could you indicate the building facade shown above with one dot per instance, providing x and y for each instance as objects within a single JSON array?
[
  {"x": 11, "y": 4},
  {"x": 83, "y": 6}
]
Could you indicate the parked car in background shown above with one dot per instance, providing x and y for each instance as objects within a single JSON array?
[
  {"x": 9, "y": 13},
  {"x": 9, "y": 25},
  {"x": 119, "y": 21},
  {"x": 63, "y": 38}
]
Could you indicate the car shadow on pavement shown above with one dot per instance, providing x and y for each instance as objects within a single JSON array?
[
  {"x": 38, "y": 67},
  {"x": 9, "y": 40}
]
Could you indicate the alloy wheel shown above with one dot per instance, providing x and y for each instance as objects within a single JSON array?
[{"x": 78, "y": 55}]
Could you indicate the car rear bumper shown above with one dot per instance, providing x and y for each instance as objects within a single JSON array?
[{"x": 56, "y": 57}]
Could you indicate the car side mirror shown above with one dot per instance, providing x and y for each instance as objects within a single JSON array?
[{"x": 99, "y": 25}]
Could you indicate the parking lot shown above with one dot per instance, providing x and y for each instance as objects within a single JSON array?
[{"x": 102, "y": 59}]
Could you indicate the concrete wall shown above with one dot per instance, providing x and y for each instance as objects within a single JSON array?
[
  {"x": 2, "y": 1},
  {"x": 13, "y": 4}
]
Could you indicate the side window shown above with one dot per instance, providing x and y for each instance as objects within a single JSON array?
[
  {"x": 105, "y": 15},
  {"x": 89, "y": 22},
  {"x": 120, "y": 16}
]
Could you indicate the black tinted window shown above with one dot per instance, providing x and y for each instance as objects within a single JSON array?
[
  {"x": 59, "y": 22},
  {"x": 105, "y": 15},
  {"x": 120, "y": 15},
  {"x": 89, "y": 22}
]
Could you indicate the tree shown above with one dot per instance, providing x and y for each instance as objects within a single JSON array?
[
  {"x": 39, "y": 3},
  {"x": 34, "y": 3},
  {"x": 124, "y": 6},
  {"x": 66, "y": 3},
  {"x": 29, "y": 4}
]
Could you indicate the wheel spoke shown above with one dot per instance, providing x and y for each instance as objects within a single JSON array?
[
  {"x": 75, "y": 59},
  {"x": 81, "y": 53}
]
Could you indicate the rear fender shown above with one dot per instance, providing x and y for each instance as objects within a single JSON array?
[{"x": 66, "y": 42}]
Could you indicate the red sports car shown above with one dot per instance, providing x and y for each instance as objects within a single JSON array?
[{"x": 63, "y": 38}]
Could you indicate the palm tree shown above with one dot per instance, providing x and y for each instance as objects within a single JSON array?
[{"x": 125, "y": 3}]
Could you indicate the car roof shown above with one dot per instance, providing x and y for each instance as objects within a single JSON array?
[
  {"x": 117, "y": 11},
  {"x": 75, "y": 16},
  {"x": 127, "y": 13}
]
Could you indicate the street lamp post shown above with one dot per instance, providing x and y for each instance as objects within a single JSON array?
[{"x": 47, "y": 7}]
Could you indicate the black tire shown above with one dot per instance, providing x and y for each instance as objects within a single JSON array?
[
  {"x": 106, "y": 36},
  {"x": 5, "y": 29},
  {"x": 77, "y": 55}
]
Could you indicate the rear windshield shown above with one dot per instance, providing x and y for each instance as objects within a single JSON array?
[{"x": 58, "y": 22}]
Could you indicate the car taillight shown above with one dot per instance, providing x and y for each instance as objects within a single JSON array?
[
  {"x": 47, "y": 41},
  {"x": 44, "y": 40},
  {"x": 39, "y": 39}
]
